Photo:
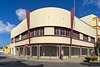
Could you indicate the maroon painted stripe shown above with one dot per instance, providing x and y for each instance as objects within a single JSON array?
[
  {"x": 69, "y": 51},
  {"x": 38, "y": 51},
  {"x": 28, "y": 23},
  {"x": 56, "y": 44},
  {"x": 94, "y": 47},
  {"x": 80, "y": 51},
  {"x": 54, "y": 26},
  {"x": 71, "y": 32}
]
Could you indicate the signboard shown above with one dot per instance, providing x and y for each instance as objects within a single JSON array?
[{"x": 26, "y": 45}]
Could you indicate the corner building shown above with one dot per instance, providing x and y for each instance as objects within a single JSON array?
[{"x": 50, "y": 33}]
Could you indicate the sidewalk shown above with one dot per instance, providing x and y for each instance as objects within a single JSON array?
[{"x": 75, "y": 60}]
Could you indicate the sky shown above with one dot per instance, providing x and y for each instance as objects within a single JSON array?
[{"x": 12, "y": 12}]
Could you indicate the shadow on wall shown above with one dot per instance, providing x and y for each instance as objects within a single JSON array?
[
  {"x": 17, "y": 64},
  {"x": 91, "y": 64}
]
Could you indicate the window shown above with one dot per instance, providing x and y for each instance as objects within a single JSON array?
[
  {"x": 92, "y": 40},
  {"x": 56, "y": 31},
  {"x": 24, "y": 35},
  {"x": 41, "y": 31},
  {"x": 85, "y": 37},
  {"x": 75, "y": 34},
  {"x": 17, "y": 38},
  {"x": 32, "y": 33},
  {"x": 36, "y": 32},
  {"x": 12, "y": 40},
  {"x": 67, "y": 32},
  {"x": 62, "y": 31}
]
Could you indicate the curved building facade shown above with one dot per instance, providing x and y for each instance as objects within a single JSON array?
[{"x": 47, "y": 31}]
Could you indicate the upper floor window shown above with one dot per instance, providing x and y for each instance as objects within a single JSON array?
[
  {"x": 62, "y": 31},
  {"x": 41, "y": 31},
  {"x": 56, "y": 31},
  {"x": 92, "y": 40},
  {"x": 12, "y": 40},
  {"x": 85, "y": 37},
  {"x": 32, "y": 33},
  {"x": 36, "y": 32},
  {"x": 75, "y": 34},
  {"x": 67, "y": 32},
  {"x": 24, "y": 35},
  {"x": 17, "y": 38}
]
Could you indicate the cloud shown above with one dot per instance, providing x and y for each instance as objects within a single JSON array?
[
  {"x": 88, "y": 2},
  {"x": 21, "y": 13},
  {"x": 98, "y": 3},
  {"x": 6, "y": 28}
]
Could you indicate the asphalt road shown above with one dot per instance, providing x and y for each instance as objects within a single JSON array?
[{"x": 6, "y": 61}]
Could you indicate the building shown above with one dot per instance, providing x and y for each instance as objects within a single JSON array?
[
  {"x": 47, "y": 31},
  {"x": 6, "y": 49},
  {"x": 94, "y": 21}
]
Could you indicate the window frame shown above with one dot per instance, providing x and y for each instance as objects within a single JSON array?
[
  {"x": 84, "y": 36},
  {"x": 75, "y": 34}
]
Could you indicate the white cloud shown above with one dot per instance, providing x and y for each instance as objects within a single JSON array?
[
  {"x": 21, "y": 13},
  {"x": 98, "y": 3},
  {"x": 6, "y": 28},
  {"x": 88, "y": 2}
]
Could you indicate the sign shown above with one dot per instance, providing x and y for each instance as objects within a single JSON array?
[{"x": 26, "y": 45}]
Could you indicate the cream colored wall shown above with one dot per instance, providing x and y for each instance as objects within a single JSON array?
[
  {"x": 84, "y": 27},
  {"x": 93, "y": 21},
  {"x": 20, "y": 37},
  {"x": 49, "y": 31},
  {"x": 50, "y": 39},
  {"x": 87, "y": 19},
  {"x": 98, "y": 32},
  {"x": 19, "y": 29},
  {"x": 89, "y": 39},
  {"x": 13, "y": 46},
  {"x": 23, "y": 42},
  {"x": 83, "y": 43},
  {"x": 81, "y": 36},
  {"x": 50, "y": 17}
]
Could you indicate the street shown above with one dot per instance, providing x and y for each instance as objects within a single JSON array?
[{"x": 6, "y": 61}]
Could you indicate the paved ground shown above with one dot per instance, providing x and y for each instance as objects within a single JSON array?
[{"x": 6, "y": 61}]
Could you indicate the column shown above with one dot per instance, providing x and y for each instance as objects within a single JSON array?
[
  {"x": 14, "y": 50},
  {"x": 18, "y": 51},
  {"x": 23, "y": 51},
  {"x": 80, "y": 51},
  {"x": 43, "y": 50},
  {"x": 30, "y": 51},
  {"x": 88, "y": 51},
  {"x": 38, "y": 52},
  {"x": 26, "y": 51},
  {"x": 57, "y": 51},
  {"x": 70, "y": 51},
  {"x": 60, "y": 48}
]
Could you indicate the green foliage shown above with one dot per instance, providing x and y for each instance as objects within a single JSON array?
[
  {"x": 95, "y": 58},
  {"x": 88, "y": 58}
]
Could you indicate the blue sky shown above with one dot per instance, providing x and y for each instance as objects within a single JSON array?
[{"x": 12, "y": 12}]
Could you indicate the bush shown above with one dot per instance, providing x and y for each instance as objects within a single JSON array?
[
  {"x": 95, "y": 58},
  {"x": 88, "y": 58}
]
